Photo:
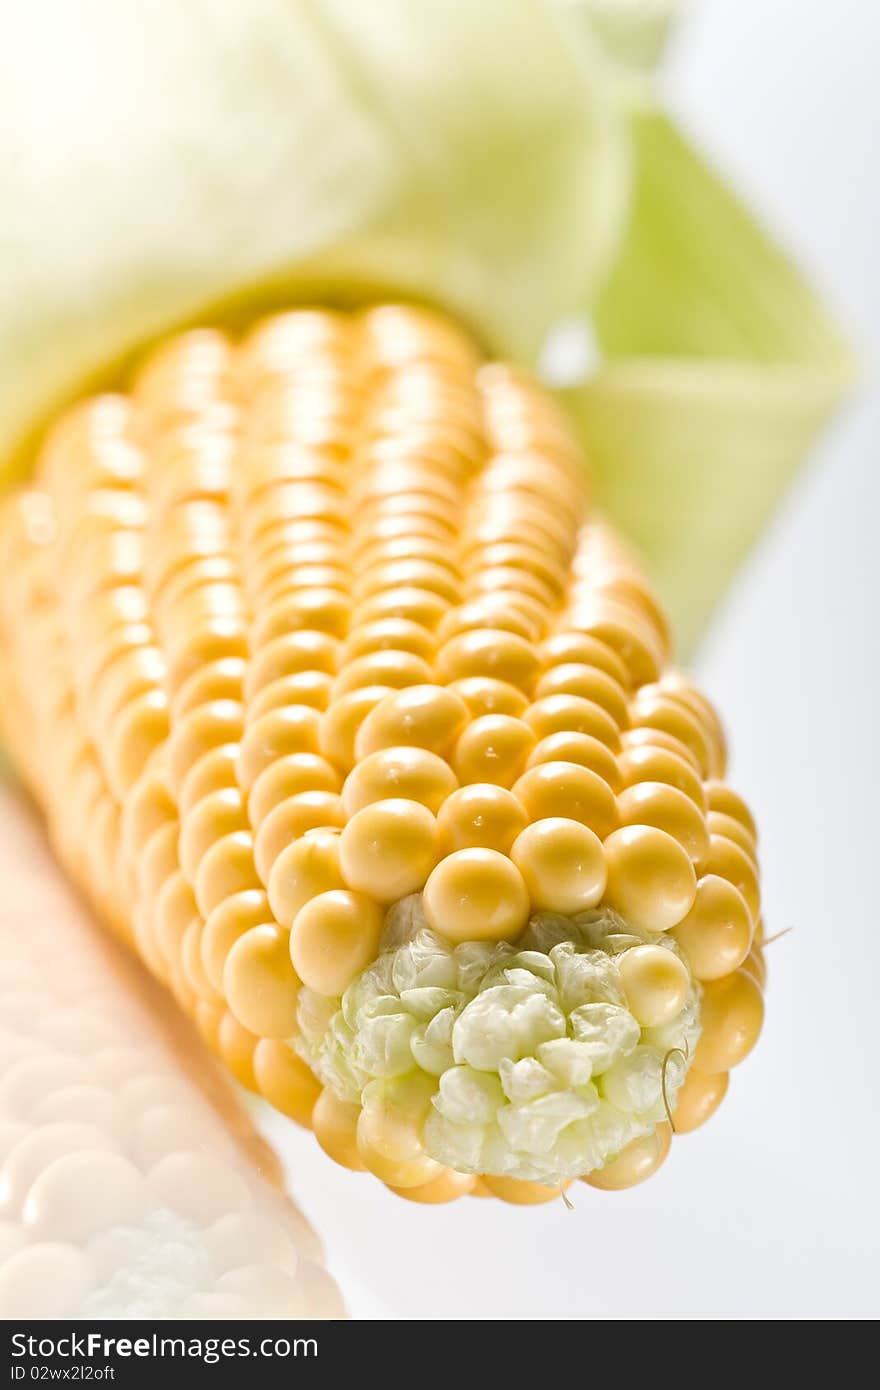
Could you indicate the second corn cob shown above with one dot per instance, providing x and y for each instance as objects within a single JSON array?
[
  {"x": 130, "y": 1187},
  {"x": 357, "y": 724}
]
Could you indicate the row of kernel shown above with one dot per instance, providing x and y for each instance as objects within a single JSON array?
[
  {"x": 183, "y": 486},
  {"x": 671, "y": 758},
  {"x": 607, "y": 566},
  {"x": 90, "y": 448},
  {"x": 120, "y": 669},
  {"x": 290, "y": 523},
  {"x": 294, "y": 383},
  {"x": 34, "y": 677},
  {"x": 99, "y": 556},
  {"x": 607, "y": 600},
  {"x": 199, "y": 854},
  {"x": 299, "y": 394},
  {"x": 519, "y": 532},
  {"x": 672, "y": 755},
  {"x": 82, "y": 813},
  {"x": 293, "y": 537},
  {"x": 674, "y": 744},
  {"x": 515, "y": 543},
  {"x": 91, "y": 466},
  {"x": 35, "y": 681},
  {"x": 302, "y": 392},
  {"x": 418, "y": 443},
  {"x": 184, "y": 411},
  {"x": 184, "y": 417},
  {"x": 185, "y": 379}
]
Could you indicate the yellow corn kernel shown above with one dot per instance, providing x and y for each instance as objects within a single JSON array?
[
  {"x": 206, "y": 727},
  {"x": 413, "y": 773},
  {"x": 236, "y": 915},
  {"x": 660, "y": 713},
  {"x": 302, "y": 688},
  {"x": 577, "y": 748},
  {"x": 562, "y": 863},
  {"x": 307, "y": 867},
  {"x": 485, "y": 695},
  {"x": 564, "y": 648},
  {"x": 213, "y": 816},
  {"x": 493, "y": 748},
  {"x": 388, "y": 848},
  {"x": 221, "y": 680},
  {"x": 291, "y": 729},
  {"x": 561, "y": 786},
  {"x": 578, "y": 678},
  {"x": 489, "y": 652},
  {"x": 699, "y": 1098},
  {"x": 342, "y": 720},
  {"x": 448, "y": 1186},
  {"x": 481, "y": 816},
  {"x": 651, "y": 881},
  {"x": 656, "y": 984},
  {"x": 260, "y": 984},
  {"x": 333, "y": 937},
  {"x": 667, "y": 808},
  {"x": 389, "y": 1136},
  {"x": 290, "y": 819},
  {"x": 755, "y": 966},
  {"x": 285, "y": 1080},
  {"x": 476, "y": 895},
  {"x": 289, "y": 776},
  {"x": 214, "y": 771},
  {"x": 647, "y": 763},
  {"x": 522, "y": 1194},
  {"x": 565, "y": 713},
  {"x": 335, "y": 1124},
  {"x": 717, "y": 931},
  {"x": 236, "y": 1046},
  {"x": 423, "y": 716},
  {"x": 725, "y": 799},
  {"x": 732, "y": 1014},
  {"x": 634, "y": 1164},
  {"x": 227, "y": 868},
  {"x": 728, "y": 860},
  {"x": 721, "y": 824}
]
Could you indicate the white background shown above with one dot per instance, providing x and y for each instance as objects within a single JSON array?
[{"x": 772, "y": 1210}]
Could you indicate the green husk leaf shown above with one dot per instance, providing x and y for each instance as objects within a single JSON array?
[
  {"x": 632, "y": 34},
  {"x": 172, "y": 162},
  {"x": 719, "y": 369},
  {"x": 159, "y": 162}
]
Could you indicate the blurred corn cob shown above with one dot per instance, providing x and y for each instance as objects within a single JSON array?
[
  {"x": 358, "y": 726},
  {"x": 130, "y": 1186}
]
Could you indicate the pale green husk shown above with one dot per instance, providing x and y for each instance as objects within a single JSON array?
[
  {"x": 159, "y": 159},
  {"x": 539, "y": 1070},
  {"x": 719, "y": 368},
  {"x": 162, "y": 162}
]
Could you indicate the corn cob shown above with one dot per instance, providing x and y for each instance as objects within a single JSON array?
[
  {"x": 356, "y": 723},
  {"x": 128, "y": 1188}
]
